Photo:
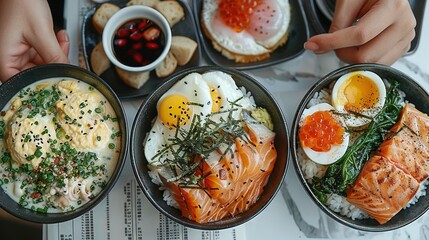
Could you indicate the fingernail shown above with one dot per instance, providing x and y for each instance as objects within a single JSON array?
[
  {"x": 65, "y": 36},
  {"x": 320, "y": 52},
  {"x": 311, "y": 46}
]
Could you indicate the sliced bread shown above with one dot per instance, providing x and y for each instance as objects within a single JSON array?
[
  {"x": 183, "y": 48},
  {"x": 149, "y": 3},
  {"x": 133, "y": 79},
  {"x": 172, "y": 11},
  {"x": 99, "y": 60},
  {"x": 167, "y": 66},
  {"x": 102, "y": 15}
]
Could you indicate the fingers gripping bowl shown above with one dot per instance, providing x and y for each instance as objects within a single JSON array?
[
  {"x": 381, "y": 176},
  {"x": 62, "y": 147},
  {"x": 143, "y": 133}
]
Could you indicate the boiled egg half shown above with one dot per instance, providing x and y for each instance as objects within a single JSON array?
[
  {"x": 322, "y": 134},
  {"x": 360, "y": 95}
]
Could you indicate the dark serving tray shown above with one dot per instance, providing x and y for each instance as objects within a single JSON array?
[
  {"x": 320, "y": 23},
  {"x": 298, "y": 35},
  {"x": 90, "y": 38}
]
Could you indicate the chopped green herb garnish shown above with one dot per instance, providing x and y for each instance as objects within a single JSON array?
[{"x": 38, "y": 153}]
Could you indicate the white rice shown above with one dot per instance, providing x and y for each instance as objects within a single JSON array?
[{"x": 310, "y": 169}]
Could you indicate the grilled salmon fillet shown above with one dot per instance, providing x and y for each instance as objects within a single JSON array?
[
  {"x": 382, "y": 189},
  {"x": 391, "y": 178},
  {"x": 408, "y": 144}
]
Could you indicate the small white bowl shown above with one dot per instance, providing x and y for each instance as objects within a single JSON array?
[{"x": 129, "y": 13}]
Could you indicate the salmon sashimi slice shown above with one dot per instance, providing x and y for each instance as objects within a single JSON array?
[
  {"x": 382, "y": 189},
  {"x": 196, "y": 204},
  {"x": 408, "y": 144},
  {"x": 260, "y": 156},
  {"x": 248, "y": 193},
  {"x": 230, "y": 182},
  {"x": 258, "y": 160},
  {"x": 216, "y": 179}
]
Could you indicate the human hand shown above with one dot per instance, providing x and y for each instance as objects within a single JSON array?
[
  {"x": 27, "y": 37},
  {"x": 382, "y": 34}
]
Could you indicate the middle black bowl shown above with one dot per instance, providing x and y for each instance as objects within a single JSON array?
[{"x": 143, "y": 123}]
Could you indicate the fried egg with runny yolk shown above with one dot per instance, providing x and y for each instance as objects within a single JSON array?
[
  {"x": 246, "y": 27},
  {"x": 224, "y": 91},
  {"x": 204, "y": 95}
]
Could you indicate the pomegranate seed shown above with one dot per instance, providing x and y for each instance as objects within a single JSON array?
[
  {"x": 152, "y": 45},
  {"x": 136, "y": 36},
  {"x": 123, "y": 33},
  {"x": 142, "y": 25},
  {"x": 128, "y": 26},
  {"x": 145, "y": 62},
  {"x": 138, "y": 58},
  {"x": 138, "y": 46},
  {"x": 134, "y": 28},
  {"x": 121, "y": 42},
  {"x": 151, "y": 33}
]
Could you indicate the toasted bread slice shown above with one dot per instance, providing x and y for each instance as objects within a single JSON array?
[
  {"x": 167, "y": 66},
  {"x": 102, "y": 15},
  {"x": 183, "y": 48},
  {"x": 99, "y": 60},
  {"x": 149, "y": 3},
  {"x": 172, "y": 11},
  {"x": 133, "y": 79}
]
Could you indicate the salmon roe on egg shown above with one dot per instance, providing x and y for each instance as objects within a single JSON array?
[
  {"x": 237, "y": 13},
  {"x": 320, "y": 131}
]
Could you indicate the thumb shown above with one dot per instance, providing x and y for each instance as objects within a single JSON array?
[{"x": 64, "y": 42}]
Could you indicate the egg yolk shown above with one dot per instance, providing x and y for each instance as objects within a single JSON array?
[
  {"x": 237, "y": 13},
  {"x": 174, "y": 109},
  {"x": 320, "y": 131},
  {"x": 216, "y": 99},
  {"x": 358, "y": 93}
]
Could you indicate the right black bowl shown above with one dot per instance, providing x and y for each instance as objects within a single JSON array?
[{"x": 415, "y": 94}]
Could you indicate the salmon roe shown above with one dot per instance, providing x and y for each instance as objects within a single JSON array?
[
  {"x": 320, "y": 131},
  {"x": 237, "y": 13}
]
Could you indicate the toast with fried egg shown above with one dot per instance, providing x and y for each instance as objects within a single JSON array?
[{"x": 246, "y": 31}]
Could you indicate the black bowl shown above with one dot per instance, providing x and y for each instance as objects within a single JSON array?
[
  {"x": 143, "y": 123},
  {"x": 414, "y": 94},
  {"x": 27, "y": 77}
]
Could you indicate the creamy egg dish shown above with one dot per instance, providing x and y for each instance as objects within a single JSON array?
[{"x": 59, "y": 145}]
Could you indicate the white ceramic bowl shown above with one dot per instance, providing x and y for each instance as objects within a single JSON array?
[{"x": 129, "y": 13}]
